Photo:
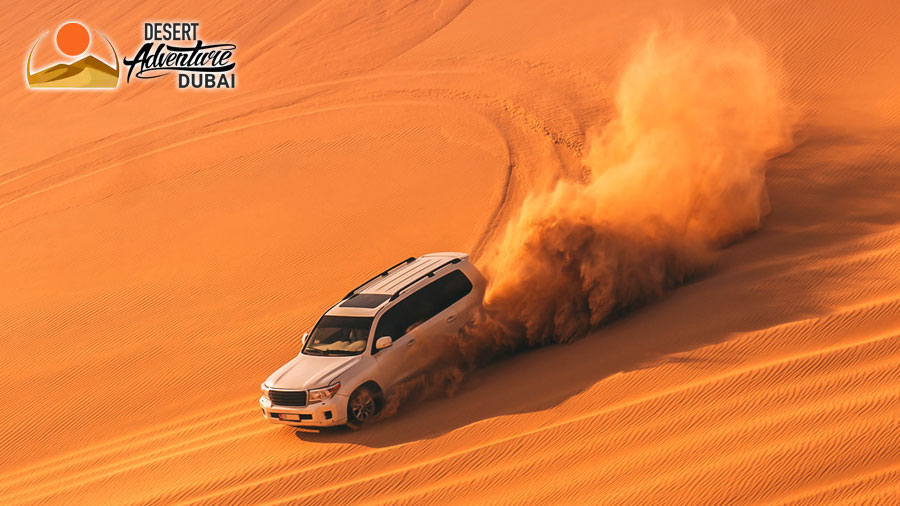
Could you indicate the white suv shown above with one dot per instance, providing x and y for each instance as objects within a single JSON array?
[{"x": 386, "y": 330}]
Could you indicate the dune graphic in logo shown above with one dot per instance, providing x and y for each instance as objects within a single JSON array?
[{"x": 72, "y": 40}]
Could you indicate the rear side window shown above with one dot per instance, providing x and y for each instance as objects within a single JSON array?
[
  {"x": 423, "y": 305},
  {"x": 449, "y": 289}
]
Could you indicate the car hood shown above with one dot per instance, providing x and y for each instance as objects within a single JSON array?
[{"x": 307, "y": 371}]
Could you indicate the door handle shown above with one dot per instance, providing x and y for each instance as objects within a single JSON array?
[
  {"x": 451, "y": 318},
  {"x": 410, "y": 343}
]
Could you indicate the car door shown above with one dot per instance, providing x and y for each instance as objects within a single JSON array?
[
  {"x": 395, "y": 362},
  {"x": 455, "y": 292},
  {"x": 421, "y": 325},
  {"x": 430, "y": 337},
  {"x": 436, "y": 319},
  {"x": 450, "y": 295}
]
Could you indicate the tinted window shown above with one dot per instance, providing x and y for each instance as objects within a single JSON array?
[
  {"x": 422, "y": 305},
  {"x": 450, "y": 289},
  {"x": 398, "y": 320}
]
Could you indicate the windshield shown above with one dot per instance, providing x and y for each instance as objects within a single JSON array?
[{"x": 339, "y": 335}]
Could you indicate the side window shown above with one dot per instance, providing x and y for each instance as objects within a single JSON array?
[
  {"x": 400, "y": 319},
  {"x": 388, "y": 323},
  {"x": 450, "y": 289},
  {"x": 422, "y": 305}
]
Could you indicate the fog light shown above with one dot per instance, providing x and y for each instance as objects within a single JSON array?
[{"x": 328, "y": 415}]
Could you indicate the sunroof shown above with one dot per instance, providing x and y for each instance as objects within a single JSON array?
[{"x": 368, "y": 300}]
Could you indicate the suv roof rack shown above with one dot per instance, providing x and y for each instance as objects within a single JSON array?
[
  {"x": 423, "y": 276},
  {"x": 383, "y": 274}
]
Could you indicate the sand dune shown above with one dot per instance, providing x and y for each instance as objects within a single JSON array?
[{"x": 161, "y": 252}]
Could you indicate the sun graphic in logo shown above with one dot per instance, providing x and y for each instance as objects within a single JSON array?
[{"x": 72, "y": 40}]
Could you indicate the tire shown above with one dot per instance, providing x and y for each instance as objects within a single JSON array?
[{"x": 362, "y": 407}]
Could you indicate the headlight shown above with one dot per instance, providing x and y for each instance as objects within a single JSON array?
[
  {"x": 265, "y": 390},
  {"x": 321, "y": 394}
]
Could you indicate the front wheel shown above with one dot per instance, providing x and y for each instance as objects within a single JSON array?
[{"x": 361, "y": 407}]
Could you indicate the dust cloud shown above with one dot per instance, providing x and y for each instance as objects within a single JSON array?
[{"x": 677, "y": 174}]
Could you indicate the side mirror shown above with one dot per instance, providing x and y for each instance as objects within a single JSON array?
[
  {"x": 383, "y": 342},
  {"x": 304, "y": 338}
]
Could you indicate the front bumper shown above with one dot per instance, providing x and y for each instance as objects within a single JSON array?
[{"x": 320, "y": 414}]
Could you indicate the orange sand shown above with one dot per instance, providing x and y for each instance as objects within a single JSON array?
[{"x": 161, "y": 251}]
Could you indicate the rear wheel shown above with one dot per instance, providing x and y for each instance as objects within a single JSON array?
[{"x": 361, "y": 407}]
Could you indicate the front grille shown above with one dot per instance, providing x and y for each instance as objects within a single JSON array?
[{"x": 288, "y": 397}]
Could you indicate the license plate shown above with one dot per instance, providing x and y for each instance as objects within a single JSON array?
[{"x": 289, "y": 417}]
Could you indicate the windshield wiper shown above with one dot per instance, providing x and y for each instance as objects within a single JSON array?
[
  {"x": 339, "y": 352},
  {"x": 318, "y": 352}
]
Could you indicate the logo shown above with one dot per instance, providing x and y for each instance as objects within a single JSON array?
[
  {"x": 72, "y": 40},
  {"x": 175, "y": 47},
  {"x": 168, "y": 48}
]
